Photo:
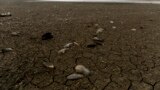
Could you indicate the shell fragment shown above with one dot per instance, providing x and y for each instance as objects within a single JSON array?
[
  {"x": 62, "y": 51},
  {"x": 48, "y": 65},
  {"x": 75, "y": 76}
]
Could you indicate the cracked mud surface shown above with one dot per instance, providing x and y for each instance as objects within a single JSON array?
[{"x": 128, "y": 60}]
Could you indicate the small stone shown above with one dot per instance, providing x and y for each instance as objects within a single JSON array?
[
  {"x": 48, "y": 65},
  {"x": 111, "y": 22},
  {"x": 62, "y": 51},
  {"x": 75, "y": 76},
  {"x": 15, "y": 33},
  {"x": 7, "y": 14},
  {"x": 114, "y": 27},
  {"x": 4, "y": 50},
  {"x": 47, "y": 36},
  {"x": 82, "y": 69},
  {"x": 68, "y": 45},
  {"x": 99, "y": 30},
  {"x": 133, "y": 29}
]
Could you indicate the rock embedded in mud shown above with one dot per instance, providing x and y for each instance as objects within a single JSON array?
[
  {"x": 47, "y": 36},
  {"x": 82, "y": 69},
  {"x": 48, "y": 65},
  {"x": 75, "y": 76},
  {"x": 6, "y": 14}
]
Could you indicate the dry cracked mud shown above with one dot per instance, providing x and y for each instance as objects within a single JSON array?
[{"x": 127, "y": 60}]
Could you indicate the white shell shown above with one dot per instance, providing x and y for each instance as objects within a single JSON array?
[
  {"x": 114, "y": 27},
  {"x": 82, "y": 69},
  {"x": 74, "y": 76},
  {"x": 62, "y": 50},
  {"x": 111, "y": 22},
  {"x": 68, "y": 45},
  {"x": 99, "y": 30},
  {"x": 48, "y": 65}
]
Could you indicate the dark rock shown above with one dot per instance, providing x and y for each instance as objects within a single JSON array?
[
  {"x": 98, "y": 43},
  {"x": 47, "y": 36},
  {"x": 92, "y": 45},
  {"x": 141, "y": 27}
]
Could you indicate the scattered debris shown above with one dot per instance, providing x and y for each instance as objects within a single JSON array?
[
  {"x": 48, "y": 65},
  {"x": 15, "y": 33},
  {"x": 7, "y": 14},
  {"x": 68, "y": 45},
  {"x": 62, "y": 50},
  {"x": 82, "y": 69},
  {"x": 4, "y": 50},
  {"x": 47, "y": 36},
  {"x": 114, "y": 27},
  {"x": 75, "y": 76},
  {"x": 99, "y": 30},
  {"x": 133, "y": 29},
  {"x": 111, "y": 22}
]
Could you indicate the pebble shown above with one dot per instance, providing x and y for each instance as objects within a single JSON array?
[
  {"x": 75, "y": 76},
  {"x": 6, "y": 50},
  {"x": 62, "y": 51},
  {"x": 68, "y": 45},
  {"x": 15, "y": 33},
  {"x": 82, "y": 69},
  {"x": 48, "y": 65},
  {"x": 96, "y": 25},
  {"x": 114, "y": 27},
  {"x": 47, "y": 36},
  {"x": 133, "y": 29},
  {"x": 99, "y": 30},
  {"x": 111, "y": 22},
  {"x": 7, "y": 14}
]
